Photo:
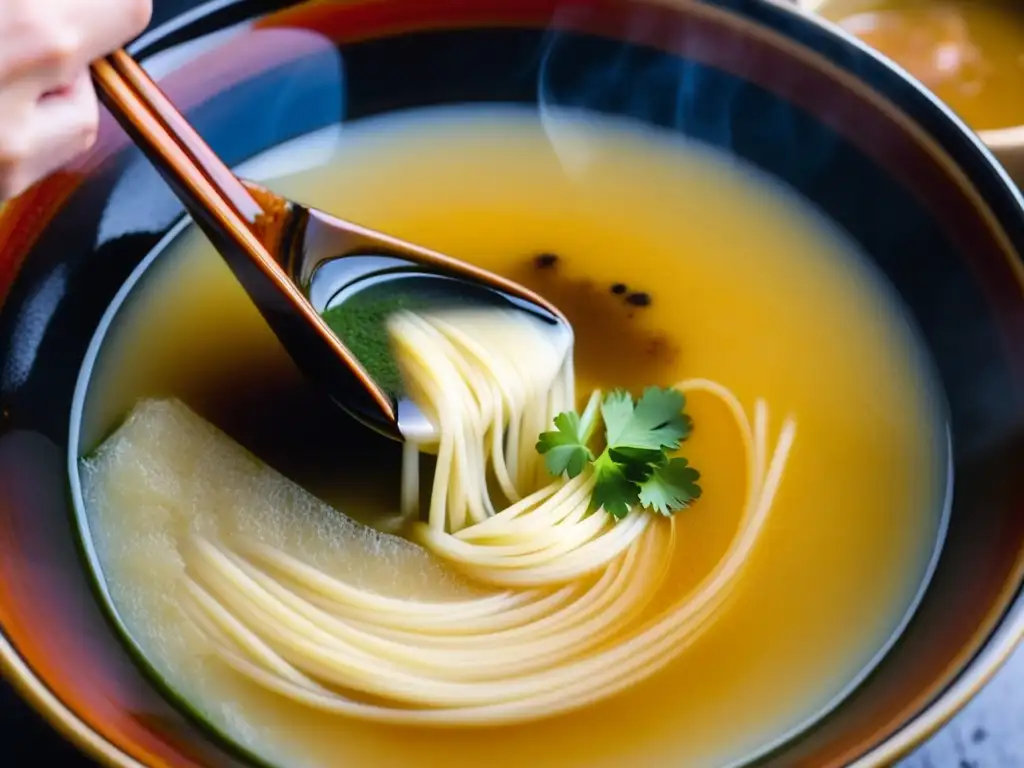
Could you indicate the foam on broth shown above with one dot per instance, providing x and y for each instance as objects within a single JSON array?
[{"x": 671, "y": 262}]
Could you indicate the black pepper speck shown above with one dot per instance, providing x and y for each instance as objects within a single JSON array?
[
  {"x": 639, "y": 299},
  {"x": 619, "y": 288},
  {"x": 545, "y": 261}
]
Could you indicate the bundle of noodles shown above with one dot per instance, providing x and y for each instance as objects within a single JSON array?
[{"x": 575, "y": 610}]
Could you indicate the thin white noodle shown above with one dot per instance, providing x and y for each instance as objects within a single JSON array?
[{"x": 570, "y": 611}]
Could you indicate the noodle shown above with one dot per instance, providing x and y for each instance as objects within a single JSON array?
[{"x": 571, "y": 615}]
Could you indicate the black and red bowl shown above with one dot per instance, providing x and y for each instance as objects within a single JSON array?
[{"x": 868, "y": 147}]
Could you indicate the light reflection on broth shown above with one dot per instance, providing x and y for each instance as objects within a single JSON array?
[
  {"x": 969, "y": 52},
  {"x": 671, "y": 263}
]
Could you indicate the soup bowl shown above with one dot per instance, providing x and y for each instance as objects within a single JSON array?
[
  {"x": 864, "y": 144},
  {"x": 1007, "y": 144}
]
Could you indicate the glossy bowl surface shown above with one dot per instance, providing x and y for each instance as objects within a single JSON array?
[{"x": 879, "y": 156}]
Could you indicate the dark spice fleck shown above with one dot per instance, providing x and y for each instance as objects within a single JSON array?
[
  {"x": 639, "y": 299},
  {"x": 979, "y": 735},
  {"x": 618, "y": 347},
  {"x": 545, "y": 261},
  {"x": 619, "y": 288},
  {"x": 659, "y": 347}
]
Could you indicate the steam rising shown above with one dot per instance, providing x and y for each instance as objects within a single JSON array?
[{"x": 633, "y": 81}]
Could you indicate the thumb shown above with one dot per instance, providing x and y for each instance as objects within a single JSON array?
[{"x": 61, "y": 125}]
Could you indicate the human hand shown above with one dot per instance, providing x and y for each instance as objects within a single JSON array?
[{"x": 48, "y": 108}]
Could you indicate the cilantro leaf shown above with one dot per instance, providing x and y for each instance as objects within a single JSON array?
[
  {"x": 671, "y": 487},
  {"x": 637, "y": 455},
  {"x": 563, "y": 449},
  {"x": 659, "y": 414},
  {"x": 614, "y": 491},
  {"x": 634, "y": 470},
  {"x": 617, "y": 411},
  {"x": 656, "y": 422}
]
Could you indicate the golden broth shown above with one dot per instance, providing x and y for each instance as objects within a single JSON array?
[
  {"x": 726, "y": 276},
  {"x": 969, "y": 52}
]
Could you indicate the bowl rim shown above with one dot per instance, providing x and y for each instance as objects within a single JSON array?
[
  {"x": 1004, "y": 634},
  {"x": 27, "y": 684}
]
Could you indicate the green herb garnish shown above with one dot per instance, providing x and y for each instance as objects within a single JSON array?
[
  {"x": 564, "y": 448},
  {"x": 361, "y": 324},
  {"x": 635, "y": 468}
]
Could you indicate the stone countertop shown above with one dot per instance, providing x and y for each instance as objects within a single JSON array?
[{"x": 988, "y": 733}]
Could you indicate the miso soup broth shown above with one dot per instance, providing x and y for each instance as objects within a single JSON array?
[
  {"x": 671, "y": 262},
  {"x": 969, "y": 52}
]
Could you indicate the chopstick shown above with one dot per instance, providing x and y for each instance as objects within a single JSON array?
[
  {"x": 220, "y": 203},
  {"x": 160, "y": 107}
]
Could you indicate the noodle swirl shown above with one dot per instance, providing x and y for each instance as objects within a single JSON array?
[{"x": 572, "y": 613}]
